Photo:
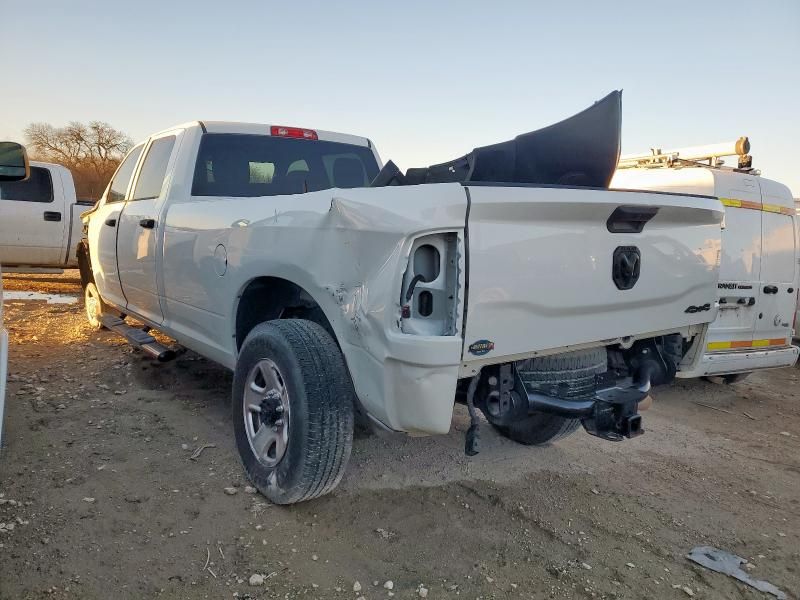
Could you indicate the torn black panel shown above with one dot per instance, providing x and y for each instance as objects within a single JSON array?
[
  {"x": 582, "y": 150},
  {"x": 390, "y": 174}
]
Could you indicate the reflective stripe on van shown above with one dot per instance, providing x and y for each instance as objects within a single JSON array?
[
  {"x": 743, "y": 344},
  {"x": 773, "y": 208}
]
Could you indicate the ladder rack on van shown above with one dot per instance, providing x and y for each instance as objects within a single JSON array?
[{"x": 694, "y": 156}]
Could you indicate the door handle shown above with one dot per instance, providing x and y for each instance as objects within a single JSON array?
[
  {"x": 50, "y": 215},
  {"x": 111, "y": 222},
  {"x": 147, "y": 223},
  {"x": 770, "y": 289}
]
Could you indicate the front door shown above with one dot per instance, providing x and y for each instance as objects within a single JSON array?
[
  {"x": 137, "y": 240},
  {"x": 102, "y": 234},
  {"x": 33, "y": 219}
]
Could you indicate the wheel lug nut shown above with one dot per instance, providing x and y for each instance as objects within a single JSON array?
[
  {"x": 279, "y": 409},
  {"x": 279, "y": 422}
]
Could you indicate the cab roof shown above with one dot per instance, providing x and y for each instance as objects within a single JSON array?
[{"x": 265, "y": 129}]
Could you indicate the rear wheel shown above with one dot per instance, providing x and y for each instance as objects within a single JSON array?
[
  {"x": 292, "y": 410},
  {"x": 570, "y": 375},
  {"x": 539, "y": 429}
]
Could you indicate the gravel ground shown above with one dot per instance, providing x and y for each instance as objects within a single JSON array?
[{"x": 100, "y": 496}]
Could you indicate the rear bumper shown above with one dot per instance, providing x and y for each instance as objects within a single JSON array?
[
  {"x": 3, "y": 369},
  {"x": 412, "y": 388},
  {"x": 742, "y": 361}
]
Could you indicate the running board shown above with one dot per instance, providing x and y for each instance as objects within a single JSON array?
[{"x": 138, "y": 337}]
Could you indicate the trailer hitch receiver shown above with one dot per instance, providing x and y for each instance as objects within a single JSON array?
[{"x": 610, "y": 413}]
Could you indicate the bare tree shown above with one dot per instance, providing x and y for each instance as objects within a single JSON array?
[{"x": 92, "y": 152}]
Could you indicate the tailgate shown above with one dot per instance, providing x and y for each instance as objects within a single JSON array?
[{"x": 541, "y": 264}]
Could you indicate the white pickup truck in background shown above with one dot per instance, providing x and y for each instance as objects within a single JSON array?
[
  {"x": 41, "y": 221},
  {"x": 507, "y": 279},
  {"x": 758, "y": 279}
]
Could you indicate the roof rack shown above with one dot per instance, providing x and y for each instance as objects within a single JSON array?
[{"x": 693, "y": 156}]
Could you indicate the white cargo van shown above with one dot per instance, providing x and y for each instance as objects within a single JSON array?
[
  {"x": 758, "y": 277},
  {"x": 797, "y": 236}
]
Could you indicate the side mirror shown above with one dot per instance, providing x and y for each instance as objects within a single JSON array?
[{"x": 13, "y": 162}]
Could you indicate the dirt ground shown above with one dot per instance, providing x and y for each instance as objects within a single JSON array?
[{"x": 100, "y": 497}]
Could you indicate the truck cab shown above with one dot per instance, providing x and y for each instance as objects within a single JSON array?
[
  {"x": 758, "y": 282},
  {"x": 41, "y": 220}
]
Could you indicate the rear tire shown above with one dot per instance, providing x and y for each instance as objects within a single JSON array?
[
  {"x": 728, "y": 379},
  {"x": 309, "y": 379}
]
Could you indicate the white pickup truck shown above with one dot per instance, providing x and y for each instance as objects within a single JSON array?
[
  {"x": 41, "y": 221},
  {"x": 332, "y": 289}
]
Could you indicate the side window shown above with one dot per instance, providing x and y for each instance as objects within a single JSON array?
[
  {"x": 154, "y": 169},
  {"x": 36, "y": 188},
  {"x": 116, "y": 193}
]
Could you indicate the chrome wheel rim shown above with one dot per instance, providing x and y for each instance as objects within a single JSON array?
[
  {"x": 92, "y": 303},
  {"x": 266, "y": 412}
]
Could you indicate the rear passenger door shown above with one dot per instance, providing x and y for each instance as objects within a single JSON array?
[
  {"x": 32, "y": 220},
  {"x": 139, "y": 229}
]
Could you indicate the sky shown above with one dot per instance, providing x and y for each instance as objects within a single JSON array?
[{"x": 425, "y": 81}]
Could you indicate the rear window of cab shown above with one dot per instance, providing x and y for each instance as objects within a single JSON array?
[
  {"x": 36, "y": 188},
  {"x": 232, "y": 164}
]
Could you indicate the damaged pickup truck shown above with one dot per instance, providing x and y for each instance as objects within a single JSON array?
[{"x": 510, "y": 279}]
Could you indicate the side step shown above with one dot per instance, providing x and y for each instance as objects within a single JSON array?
[{"x": 138, "y": 337}]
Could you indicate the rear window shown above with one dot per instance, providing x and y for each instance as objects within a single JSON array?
[
  {"x": 36, "y": 188},
  {"x": 230, "y": 164}
]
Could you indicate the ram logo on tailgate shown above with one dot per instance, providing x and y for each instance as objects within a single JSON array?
[{"x": 626, "y": 267}]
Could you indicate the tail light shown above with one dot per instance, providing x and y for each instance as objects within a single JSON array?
[
  {"x": 430, "y": 295},
  {"x": 293, "y": 132}
]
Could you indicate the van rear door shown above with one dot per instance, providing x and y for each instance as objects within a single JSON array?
[
  {"x": 740, "y": 264},
  {"x": 778, "y": 280}
]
